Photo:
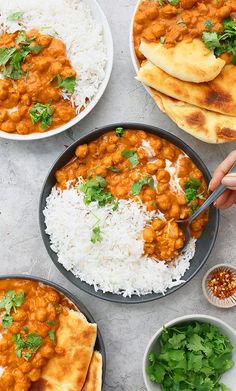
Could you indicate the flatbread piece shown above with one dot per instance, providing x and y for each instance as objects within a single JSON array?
[
  {"x": 188, "y": 61},
  {"x": 218, "y": 95},
  {"x": 94, "y": 378}
]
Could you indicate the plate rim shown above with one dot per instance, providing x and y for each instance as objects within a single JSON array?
[
  {"x": 76, "y": 301},
  {"x": 95, "y": 133},
  {"x": 109, "y": 46}
]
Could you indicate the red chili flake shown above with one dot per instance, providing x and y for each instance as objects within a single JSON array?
[{"x": 222, "y": 284}]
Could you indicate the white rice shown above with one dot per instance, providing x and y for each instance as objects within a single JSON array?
[
  {"x": 73, "y": 23},
  {"x": 117, "y": 264}
]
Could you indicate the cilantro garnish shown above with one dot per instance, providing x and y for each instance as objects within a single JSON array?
[
  {"x": 67, "y": 84},
  {"x": 113, "y": 169},
  {"x": 191, "y": 189},
  {"x": 93, "y": 190},
  {"x": 119, "y": 132},
  {"x": 12, "y": 58},
  {"x": 96, "y": 235},
  {"x": 173, "y": 2},
  {"x": 224, "y": 41},
  {"x": 193, "y": 356},
  {"x": 137, "y": 186},
  {"x": 42, "y": 113},
  {"x": 51, "y": 322},
  {"x": 32, "y": 343},
  {"x": 162, "y": 39},
  {"x": 208, "y": 24},
  {"x": 180, "y": 21},
  {"x": 11, "y": 301},
  {"x": 51, "y": 335},
  {"x": 15, "y": 16},
  {"x": 132, "y": 156}
]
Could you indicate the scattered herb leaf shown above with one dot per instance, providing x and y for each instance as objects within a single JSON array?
[
  {"x": 119, "y": 132},
  {"x": 208, "y": 24},
  {"x": 93, "y": 190},
  {"x": 162, "y": 39},
  {"x": 32, "y": 342},
  {"x": 15, "y": 16},
  {"x": 26, "y": 330},
  {"x": 11, "y": 301},
  {"x": 132, "y": 156},
  {"x": 42, "y": 113},
  {"x": 191, "y": 189},
  {"x": 67, "y": 84},
  {"x": 113, "y": 169},
  {"x": 51, "y": 335},
  {"x": 137, "y": 186},
  {"x": 96, "y": 235},
  {"x": 51, "y": 322}
]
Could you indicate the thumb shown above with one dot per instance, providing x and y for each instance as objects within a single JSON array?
[{"x": 229, "y": 181}]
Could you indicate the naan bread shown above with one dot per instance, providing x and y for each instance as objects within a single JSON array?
[
  {"x": 217, "y": 95},
  {"x": 205, "y": 125},
  {"x": 77, "y": 337},
  {"x": 94, "y": 377},
  {"x": 189, "y": 61}
]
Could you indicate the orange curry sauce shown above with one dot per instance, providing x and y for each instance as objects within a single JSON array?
[
  {"x": 163, "y": 240},
  {"x": 38, "y": 315},
  {"x": 159, "y": 20},
  {"x": 36, "y": 85}
]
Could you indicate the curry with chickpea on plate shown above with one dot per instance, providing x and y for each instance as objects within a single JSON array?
[
  {"x": 121, "y": 196},
  {"x": 184, "y": 51},
  {"x": 43, "y": 332},
  {"x": 50, "y": 69}
]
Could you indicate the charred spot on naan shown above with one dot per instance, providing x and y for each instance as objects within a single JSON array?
[
  {"x": 226, "y": 133},
  {"x": 219, "y": 97},
  {"x": 196, "y": 118}
]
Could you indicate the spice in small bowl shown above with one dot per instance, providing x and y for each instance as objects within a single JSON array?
[{"x": 219, "y": 286}]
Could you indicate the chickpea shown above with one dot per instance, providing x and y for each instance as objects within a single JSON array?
[
  {"x": 15, "y": 116},
  {"x": 149, "y": 248},
  {"x": 22, "y": 386},
  {"x": 196, "y": 225},
  {"x": 68, "y": 72},
  {"x": 3, "y": 115},
  {"x": 41, "y": 314},
  {"x": 163, "y": 176},
  {"x": 81, "y": 151},
  {"x": 160, "y": 163},
  {"x": 117, "y": 158},
  {"x": 168, "y": 153},
  {"x": 158, "y": 224},
  {"x": 187, "y": 4},
  {"x": 151, "y": 168},
  {"x": 101, "y": 171},
  {"x": 156, "y": 144},
  {"x": 7, "y": 379},
  {"x": 163, "y": 202},
  {"x": 182, "y": 172},
  {"x": 39, "y": 361},
  {"x": 56, "y": 68},
  {"x": 3, "y": 93},
  {"x": 158, "y": 30},
  {"x": 34, "y": 374},
  {"x": 224, "y": 12},
  {"x": 107, "y": 161},
  {"x": 42, "y": 64},
  {"x": 149, "y": 234},
  {"x": 111, "y": 147},
  {"x": 22, "y": 127},
  {"x": 169, "y": 11},
  {"x": 8, "y": 126},
  {"x": 174, "y": 211},
  {"x": 121, "y": 191},
  {"x": 25, "y": 367},
  {"x": 134, "y": 140},
  {"x": 173, "y": 230},
  {"x": 112, "y": 139},
  {"x": 179, "y": 243},
  {"x": 53, "y": 297},
  {"x": 44, "y": 40},
  {"x": 25, "y": 100},
  {"x": 47, "y": 351},
  {"x": 92, "y": 149}
]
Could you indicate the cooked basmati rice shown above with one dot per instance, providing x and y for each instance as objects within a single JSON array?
[
  {"x": 117, "y": 264},
  {"x": 73, "y": 23}
]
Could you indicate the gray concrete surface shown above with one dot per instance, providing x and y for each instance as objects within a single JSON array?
[{"x": 23, "y": 167}]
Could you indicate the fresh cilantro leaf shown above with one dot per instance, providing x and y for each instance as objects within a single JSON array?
[
  {"x": 33, "y": 341},
  {"x": 208, "y": 24},
  {"x": 26, "y": 330},
  {"x": 94, "y": 191},
  {"x": 137, "y": 186},
  {"x": 180, "y": 21},
  {"x": 51, "y": 335},
  {"x": 173, "y": 2},
  {"x": 96, "y": 235},
  {"x": 211, "y": 40},
  {"x": 115, "y": 206},
  {"x": 26, "y": 356},
  {"x": 6, "y": 55},
  {"x": 191, "y": 189},
  {"x": 132, "y": 156},
  {"x": 42, "y": 113},
  {"x": 7, "y": 320},
  {"x": 51, "y": 322},
  {"x": 68, "y": 84},
  {"x": 119, "y": 132},
  {"x": 113, "y": 169},
  {"x": 162, "y": 39},
  {"x": 15, "y": 16},
  {"x": 22, "y": 38},
  {"x": 224, "y": 387}
]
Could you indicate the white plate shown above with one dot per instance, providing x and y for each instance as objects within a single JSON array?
[
  {"x": 229, "y": 378},
  {"x": 100, "y": 17}
]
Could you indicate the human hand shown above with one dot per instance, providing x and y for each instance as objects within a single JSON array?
[{"x": 228, "y": 198}]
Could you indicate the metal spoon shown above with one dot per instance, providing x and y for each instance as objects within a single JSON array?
[{"x": 185, "y": 224}]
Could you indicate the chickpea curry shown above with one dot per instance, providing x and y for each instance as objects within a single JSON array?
[
  {"x": 171, "y": 21},
  {"x": 29, "y": 320},
  {"x": 134, "y": 164},
  {"x": 36, "y": 77}
]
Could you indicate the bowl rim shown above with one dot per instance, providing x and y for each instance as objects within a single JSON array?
[
  {"x": 93, "y": 135},
  {"x": 108, "y": 39},
  {"x": 76, "y": 301},
  {"x": 217, "y": 303},
  {"x": 184, "y": 318}
]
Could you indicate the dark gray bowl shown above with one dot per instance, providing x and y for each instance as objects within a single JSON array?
[
  {"x": 204, "y": 244},
  {"x": 99, "y": 345}
]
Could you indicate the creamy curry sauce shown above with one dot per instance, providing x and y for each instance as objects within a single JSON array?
[
  {"x": 34, "y": 318},
  {"x": 160, "y": 21},
  {"x": 170, "y": 169},
  {"x": 38, "y": 84}
]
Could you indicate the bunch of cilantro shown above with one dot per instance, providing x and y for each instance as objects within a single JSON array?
[
  {"x": 193, "y": 356},
  {"x": 224, "y": 41}
]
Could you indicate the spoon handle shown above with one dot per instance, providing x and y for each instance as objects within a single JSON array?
[{"x": 219, "y": 190}]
